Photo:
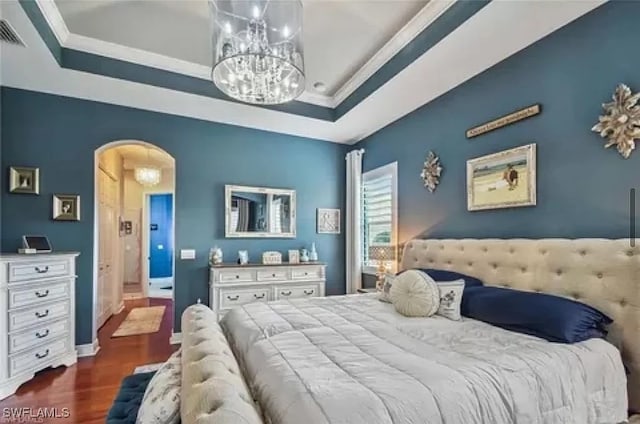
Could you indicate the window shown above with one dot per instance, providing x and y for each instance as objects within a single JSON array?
[{"x": 379, "y": 212}]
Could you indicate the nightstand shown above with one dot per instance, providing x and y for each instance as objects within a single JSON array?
[{"x": 371, "y": 290}]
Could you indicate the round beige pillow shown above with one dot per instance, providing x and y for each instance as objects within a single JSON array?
[{"x": 415, "y": 294}]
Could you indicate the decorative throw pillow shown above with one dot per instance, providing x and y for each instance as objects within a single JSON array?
[
  {"x": 161, "y": 401},
  {"x": 415, "y": 294},
  {"x": 450, "y": 298},
  {"x": 385, "y": 295}
]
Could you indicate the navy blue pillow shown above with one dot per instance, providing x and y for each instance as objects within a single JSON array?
[
  {"x": 444, "y": 275},
  {"x": 546, "y": 316}
]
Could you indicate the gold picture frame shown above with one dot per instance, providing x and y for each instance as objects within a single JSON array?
[
  {"x": 24, "y": 180},
  {"x": 505, "y": 179},
  {"x": 66, "y": 207}
]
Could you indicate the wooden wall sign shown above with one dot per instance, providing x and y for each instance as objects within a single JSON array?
[{"x": 511, "y": 118}]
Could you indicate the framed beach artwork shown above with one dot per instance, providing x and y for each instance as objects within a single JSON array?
[
  {"x": 328, "y": 221},
  {"x": 502, "y": 180}
]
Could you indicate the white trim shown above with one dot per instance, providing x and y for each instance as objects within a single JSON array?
[
  {"x": 53, "y": 17},
  {"x": 89, "y": 349},
  {"x": 176, "y": 338},
  {"x": 388, "y": 169},
  {"x": 425, "y": 17}
]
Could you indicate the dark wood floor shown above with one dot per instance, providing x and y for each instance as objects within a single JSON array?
[{"x": 89, "y": 387}]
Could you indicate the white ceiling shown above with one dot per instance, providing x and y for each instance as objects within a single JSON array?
[
  {"x": 497, "y": 31},
  {"x": 135, "y": 155},
  {"x": 340, "y": 36}
]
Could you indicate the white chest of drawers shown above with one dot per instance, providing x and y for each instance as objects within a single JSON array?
[
  {"x": 37, "y": 316},
  {"x": 235, "y": 285}
]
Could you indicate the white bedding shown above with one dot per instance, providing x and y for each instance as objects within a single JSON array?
[{"x": 354, "y": 360}]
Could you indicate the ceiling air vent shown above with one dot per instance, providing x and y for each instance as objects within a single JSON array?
[{"x": 8, "y": 35}]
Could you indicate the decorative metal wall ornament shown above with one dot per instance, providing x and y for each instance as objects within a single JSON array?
[
  {"x": 431, "y": 172},
  {"x": 621, "y": 122}
]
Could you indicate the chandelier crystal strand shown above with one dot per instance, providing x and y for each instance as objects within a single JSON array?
[{"x": 257, "y": 50}]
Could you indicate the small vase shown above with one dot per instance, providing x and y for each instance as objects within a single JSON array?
[
  {"x": 304, "y": 255},
  {"x": 313, "y": 254}
]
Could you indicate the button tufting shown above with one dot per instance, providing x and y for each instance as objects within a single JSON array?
[
  {"x": 629, "y": 252},
  {"x": 484, "y": 249},
  {"x": 470, "y": 263},
  {"x": 599, "y": 275},
  {"x": 512, "y": 250},
  {"x": 559, "y": 272},
  {"x": 523, "y": 269},
  {"x": 583, "y": 252},
  {"x": 623, "y": 303}
]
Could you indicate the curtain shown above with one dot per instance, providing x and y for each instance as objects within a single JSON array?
[{"x": 354, "y": 221}]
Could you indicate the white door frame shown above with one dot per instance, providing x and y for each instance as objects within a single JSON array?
[
  {"x": 146, "y": 250},
  {"x": 96, "y": 230}
]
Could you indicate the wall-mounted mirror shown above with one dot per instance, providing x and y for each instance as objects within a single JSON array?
[{"x": 259, "y": 212}]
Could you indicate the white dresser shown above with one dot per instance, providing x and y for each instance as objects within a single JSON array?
[
  {"x": 234, "y": 285},
  {"x": 37, "y": 321}
]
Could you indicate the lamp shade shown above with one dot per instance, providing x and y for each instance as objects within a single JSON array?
[{"x": 382, "y": 253}]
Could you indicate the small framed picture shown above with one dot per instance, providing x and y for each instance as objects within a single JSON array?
[
  {"x": 328, "y": 221},
  {"x": 66, "y": 207},
  {"x": 294, "y": 256},
  {"x": 24, "y": 180}
]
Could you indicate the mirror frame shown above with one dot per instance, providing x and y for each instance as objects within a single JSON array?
[{"x": 229, "y": 189}]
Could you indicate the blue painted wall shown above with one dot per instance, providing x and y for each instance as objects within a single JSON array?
[
  {"x": 161, "y": 235},
  {"x": 59, "y": 135},
  {"x": 583, "y": 189}
]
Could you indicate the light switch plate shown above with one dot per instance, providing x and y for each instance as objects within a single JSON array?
[{"x": 187, "y": 253}]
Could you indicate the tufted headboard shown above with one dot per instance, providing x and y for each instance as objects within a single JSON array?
[{"x": 599, "y": 272}]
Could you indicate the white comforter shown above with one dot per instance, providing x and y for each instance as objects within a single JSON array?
[{"x": 354, "y": 360}]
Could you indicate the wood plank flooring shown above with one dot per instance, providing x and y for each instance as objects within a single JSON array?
[{"x": 89, "y": 387}]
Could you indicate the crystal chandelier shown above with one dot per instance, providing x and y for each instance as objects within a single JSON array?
[
  {"x": 257, "y": 45},
  {"x": 148, "y": 176}
]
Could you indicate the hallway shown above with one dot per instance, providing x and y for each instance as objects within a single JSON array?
[{"x": 89, "y": 387}]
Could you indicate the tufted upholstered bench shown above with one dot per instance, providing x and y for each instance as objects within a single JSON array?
[
  {"x": 213, "y": 389},
  {"x": 127, "y": 403}
]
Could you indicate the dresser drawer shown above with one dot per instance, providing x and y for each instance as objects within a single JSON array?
[
  {"x": 37, "y": 294},
  {"x": 296, "y": 292},
  {"x": 236, "y": 276},
  {"x": 272, "y": 275},
  {"x": 38, "y": 269},
  {"x": 39, "y": 314},
  {"x": 37, "y": 358},
  {"x": 234, "y": 297},
  {"x": 37, "y": 335},
  {"x": 307, "y": 273}
]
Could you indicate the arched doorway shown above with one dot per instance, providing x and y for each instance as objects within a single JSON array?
[{"x": 133, "y": 178}]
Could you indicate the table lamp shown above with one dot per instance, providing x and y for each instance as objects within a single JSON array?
[{"x": 382, "y": 254}]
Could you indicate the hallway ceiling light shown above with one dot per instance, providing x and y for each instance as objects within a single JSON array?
[
  {"x": 147, "y": 176},
  {"x": 257, "y": 50}
]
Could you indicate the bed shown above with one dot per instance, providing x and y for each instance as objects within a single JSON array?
[{"x": 353, "y": 359}]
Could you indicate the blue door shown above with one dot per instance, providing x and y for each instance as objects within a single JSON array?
[{"x": 160, "y": 235}]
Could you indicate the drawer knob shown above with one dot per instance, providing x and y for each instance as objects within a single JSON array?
[
  {"x": 42, "y": 315},
  {"x": 42, "y": 355},
  {"x": 43, "y": 294},
  {"x": 237, "y": 276},
  {"x": 287, "y": 293},
  {"x": 306, "y": 273},
  {"x": 309, "y": 292},
  {"x": 41, "y": 270},
  {"x": 42, "y": 335},
  {"x": 273, "y": 275},
  {"x": 236, "y": 297},
  {"x": 258, "y": 297}
]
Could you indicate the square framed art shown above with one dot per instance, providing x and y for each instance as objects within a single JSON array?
[
  {"x": 24, "y": 180},
  {"x": 66, "y": 207},
  {"x": 328, "y": 221}
]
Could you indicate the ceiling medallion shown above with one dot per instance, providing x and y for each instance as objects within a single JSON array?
[
  {"x": 257, "y": 50},
  {"x": 431, "y": 172},
  {"x": 621, "y": 122}
]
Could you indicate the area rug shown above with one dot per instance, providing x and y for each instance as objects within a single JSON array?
[{"x": 141, "y": 321}]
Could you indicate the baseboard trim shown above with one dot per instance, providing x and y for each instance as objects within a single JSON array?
[
  {"x": 176, "y": 338},
  {"x": 89, "y": 349},
  {"x": 120, "y": 308}
]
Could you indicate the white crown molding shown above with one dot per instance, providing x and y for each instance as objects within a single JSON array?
[
  {"x": 425, "y": 17},
  {"x": 53, "y": 17}
]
